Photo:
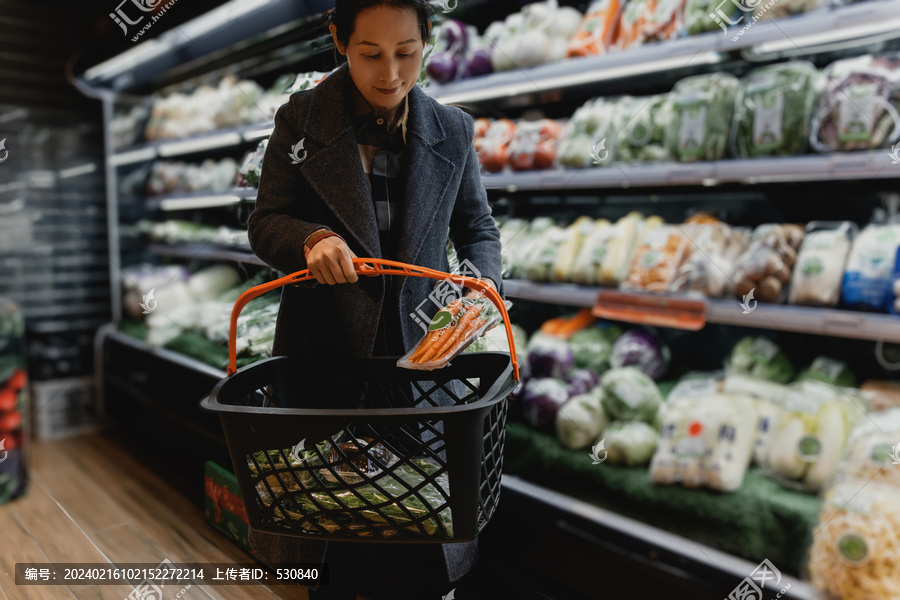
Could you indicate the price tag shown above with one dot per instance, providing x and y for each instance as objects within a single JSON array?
[
  {"x": 841, "y": 164},
  {"x": 842, "y": 323}
]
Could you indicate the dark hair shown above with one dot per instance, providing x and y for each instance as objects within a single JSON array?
[{"x": 343, "y": 15}]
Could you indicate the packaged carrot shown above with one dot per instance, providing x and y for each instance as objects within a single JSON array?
[
  {"x": 596, "y": 33},
  {"x": 452, "y": 329}
]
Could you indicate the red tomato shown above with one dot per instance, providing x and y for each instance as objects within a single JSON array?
[
  {"x": 10, "y": 420},
  {"x": 7, "y": 399},
  {"x": 17, "y": 381}
]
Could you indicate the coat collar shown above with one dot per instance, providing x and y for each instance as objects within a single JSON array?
[{"x": 334, "y": 171}]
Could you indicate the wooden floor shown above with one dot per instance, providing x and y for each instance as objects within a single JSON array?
[{"x": 89, "y": 501}]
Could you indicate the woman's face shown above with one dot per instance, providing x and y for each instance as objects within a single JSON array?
[{"x": 384, "y": 54}]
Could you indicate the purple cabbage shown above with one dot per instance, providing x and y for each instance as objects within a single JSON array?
[
  {"x": 582, "y": 381},
  {"x": 478, "y": 63},
  {"x": 640, "y": 349},
  {"x": 542, "y": 399},
  {"x": 550, "y": 357}
]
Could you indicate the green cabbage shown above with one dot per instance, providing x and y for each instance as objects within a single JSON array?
[
  {"x": 828, "y": 370},
  {"x": 628, "y": 394},
  {"x": 632, "y": 444},
  {"x": 760, "y": 357},
  {"x": 592, "y": 346}
]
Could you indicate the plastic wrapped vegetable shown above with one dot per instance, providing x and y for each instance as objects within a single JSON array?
[
  {"x": 588, "y": 135},
  {"x": 820, "y": 263},
  {"x": 858, "y": 108},
  {"x": 701, "y": 16},
  {"x": 867, "y": 277},
  {"x": 774, "y": 108},
  {"x": 549, "y": 356},
  {"x": 542, "y": 399},
  {"x": 251, "y": 166},
  {"x": 631, "y": 444},
  {"x": 872, "y": 449},
  {"x": 568, "y": 250},
  {"x": 606, "y": 255},
  {"x": 538, "y": 34},
  {"x": 580, "y": 421},
  {"x": 629, "y": 394},
  {"x": 533, "y": 145},
  {"x": 645, "y": 21},
  {"x": 592, "y": 346},
  {"x": 764, "y": 268},
  {"x": 512, "y": 234},
  {"x": 762, "y": 358},
  {"x": 596, "y": 32},
  {"x": 543, "y": 254},
  {"x": 768, "y": 397},
  {"x": 855, "y": 548},
  {"x": 787, "y": 8},
  {"x": 709, "y": 266},
  {"x": 492, "y": 146},
  {"x": 703, "y": 108},
  {"x": 526, "y": 245},
  {"x": 828, "y": 370},
  {"x": 658, "y": 259},
  {"x": 641, "y": 130},
  {"x": 641, "y": 349}
]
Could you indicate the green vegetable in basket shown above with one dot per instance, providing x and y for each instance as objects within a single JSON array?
[
  {"x": 774, "y": 109},
  {"x": 702, "y": 111}
]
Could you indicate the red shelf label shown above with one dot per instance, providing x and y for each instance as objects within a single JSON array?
[{"x": 643, "y": 309}]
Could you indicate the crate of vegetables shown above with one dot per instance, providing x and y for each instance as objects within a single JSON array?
[{"x": 365, "y": 449}]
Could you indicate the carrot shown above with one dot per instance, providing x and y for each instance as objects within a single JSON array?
[
  {"x": 581, "y": 320},
  {"x": 458, "y": 345},
  {"x": 460, "y": 327},
  {"x": 453, "y": 308}
]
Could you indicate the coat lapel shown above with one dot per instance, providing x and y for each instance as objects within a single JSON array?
[
  {"x": 333, "y": 169},
  {"x": 428, "y": 175}
]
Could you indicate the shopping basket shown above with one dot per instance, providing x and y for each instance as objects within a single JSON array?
[{"x": 374, "y": 452}]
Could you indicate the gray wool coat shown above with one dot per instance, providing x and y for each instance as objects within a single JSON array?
[{"x": 329, "y": 188}]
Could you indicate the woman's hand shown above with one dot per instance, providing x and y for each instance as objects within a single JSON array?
[
  {"x": 478, "y": 293},
  {"x": 329, "y": 261}
]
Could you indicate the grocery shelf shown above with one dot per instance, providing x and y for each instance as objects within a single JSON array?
[
  {"x": 665, "y": 551},
  {"x": 196, "y": 200},
  {"x": 872, "y": 164},
  {"x": 187, "y": 362},
  {"x": 205, "y": 252},
  {"x": 798, "y": 33},
  {"x": 213, "y": 140},
  {"x": 779, "y": 317}
]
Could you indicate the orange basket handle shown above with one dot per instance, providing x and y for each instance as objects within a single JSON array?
[{"x": 371, "y": 267}]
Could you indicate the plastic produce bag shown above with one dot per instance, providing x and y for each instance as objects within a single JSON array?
[
  {"x": 451, "y": 330},
  {"x": 774, "y": 107},
  {"x": 705, "y": 441},
  {"x": 873, "y": 449},
  {"x": 828, "y": 370},
  {"x": 658, "y": 259},
  {"x": 701, "y": 16},
  {"x": 768, "y": 397},
  {"x": 525, "y": 244},
  {"x": 697, "y": 385},
  {"x": 544, "y": 252},
  {"x": 855, "y": 553},
  {"x": 788, "y": 8},
  {"x": 642, "y": 123},
  {"x": 820, "y": 263},
  {"x": 587, "y": 137},
  {"x": 645, "y": 21},
  {"x": 597, "y": 30},
  {"x": 703, "y": 109},
  {"x": 709, "y": 266},
  {"x": 867, "y": 278},
  {"x": 568, "y": 250},
  {"x": 606, "y": 254},
  {"x": 493, "y": 142},
  {"x": 533, "y": 145},
  {"x": 858, "y": 108},
  {"x": 764, "y": 268}
]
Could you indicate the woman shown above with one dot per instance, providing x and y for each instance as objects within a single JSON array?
[{"x": 368, "y": 165}]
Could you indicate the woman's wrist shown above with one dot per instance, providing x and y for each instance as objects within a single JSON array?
[{"x": 317, "y": 236}]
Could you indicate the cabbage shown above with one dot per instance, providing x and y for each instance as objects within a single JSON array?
[
  {"x": 542, "y": 399},
  {"x": 631, "y": 443},
  {"x": 760, "y": 357},
  {"x": 592, "y": 347},
  {"x": 495, "y": 340},
  {"x": 580, "y": 421},
  {"x": 828, "y": 370},
  {"x": 628, "y": 394},
  {"x": 582, "y": 381},
  {"x": 549, "y": 356},
  {"x": 641, "y": 349}
]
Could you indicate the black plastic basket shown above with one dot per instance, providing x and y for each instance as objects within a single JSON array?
[{"x": 367, "y": 451}]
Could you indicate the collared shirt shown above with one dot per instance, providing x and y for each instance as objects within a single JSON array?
[{"x": 383, "y": 156}]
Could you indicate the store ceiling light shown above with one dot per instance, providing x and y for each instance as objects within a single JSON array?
[
  {"x": 831, "y": 36},
  {"x": 579, "y": 77}
]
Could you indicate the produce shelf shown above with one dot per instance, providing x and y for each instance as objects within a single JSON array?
[
  {"x": 205, "y": 252},
  {"x": 203, "y": 142},
  {"x": 779, "y": 317},
  {"x": 873, "y": 164},
  {"x": 196, "y": 200},
  {"x": 803, "y": 32}
]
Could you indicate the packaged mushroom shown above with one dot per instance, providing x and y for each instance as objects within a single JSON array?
[
  {"x": 765, "y": 266},
  {"x": 709, "y": 267},
  {"x": 820, "y": 263}
]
